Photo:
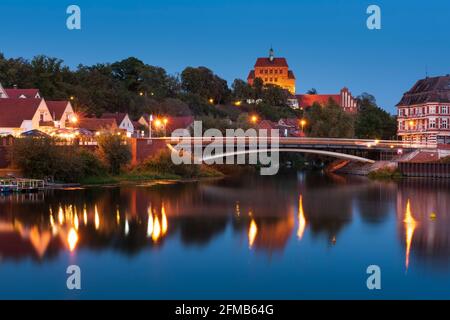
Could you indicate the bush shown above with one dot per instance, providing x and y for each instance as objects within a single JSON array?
[
  {"x": 43, "y": 158},
  {"x": 162, "y": 163},
  {"x": 113, "y": 151}
]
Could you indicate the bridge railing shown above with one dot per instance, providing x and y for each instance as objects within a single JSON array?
[{"x": 364, "y": 143}]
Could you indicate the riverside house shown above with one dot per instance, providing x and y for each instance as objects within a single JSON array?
[{"x": 21, "y": 115}]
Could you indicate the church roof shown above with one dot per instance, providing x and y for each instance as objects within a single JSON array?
[
  {"x": 266, "y": 62},
  {"x": 307, "y": 100},
  {"x": 435, "y": 89}
]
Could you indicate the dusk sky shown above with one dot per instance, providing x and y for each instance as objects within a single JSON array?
[{"x": 326, "y": 42}]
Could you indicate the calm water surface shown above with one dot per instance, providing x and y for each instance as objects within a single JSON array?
[{"x": 292, "y": 236}]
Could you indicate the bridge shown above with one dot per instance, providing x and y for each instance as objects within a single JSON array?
[{"x": 359, "y": 150}]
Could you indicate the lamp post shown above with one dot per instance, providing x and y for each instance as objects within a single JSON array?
[
  {"x": 303, "y": 124},
  {"x": 165, "y": 120},
  {"x": 150, "y": 120}
]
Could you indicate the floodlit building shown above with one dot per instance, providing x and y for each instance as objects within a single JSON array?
[
  {"x": 344, "y": 99},
  {"x": 424, "y": 112},
  {"x": 275, "y": 71}
]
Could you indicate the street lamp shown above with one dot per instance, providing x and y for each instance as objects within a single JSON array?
[
  {"x": 254, "y": 119},
  {"x": 303, "y": 124},
  {"x": 165, "y": 121},
  {"x": 74, "y": 119},
  {"x": 150, "y": 120}
]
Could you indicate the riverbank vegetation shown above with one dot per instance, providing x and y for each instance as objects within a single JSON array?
[
  {"x": 385, "y": 174},
  {"x": 47, "y": 158}
]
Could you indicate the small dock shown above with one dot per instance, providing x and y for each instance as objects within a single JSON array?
[{"x": 20, "y": 185}]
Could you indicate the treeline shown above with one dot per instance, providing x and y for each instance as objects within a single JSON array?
[{"x": 134, "y": 87}]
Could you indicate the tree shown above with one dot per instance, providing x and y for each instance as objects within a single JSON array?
[
  {"x": 311, "y": 91},
  {"x": 372, "y": 122},
  {"x": 129, "y": 72},
  {"x": 241, "y": 90},
  {"x": 113, "y": 151},
  {"x": 203, "y": 82},
  {"x": 329, "y": 121}
]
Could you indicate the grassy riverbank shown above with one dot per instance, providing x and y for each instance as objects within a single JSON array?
[
  {"x": 385, "y": 174},
  {"x": 140, "y": 175}
]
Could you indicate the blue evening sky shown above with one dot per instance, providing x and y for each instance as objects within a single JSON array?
[{"x": 326, "y": 42}]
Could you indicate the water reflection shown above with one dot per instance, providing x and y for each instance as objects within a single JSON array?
[{"x": 267, "y": 212}]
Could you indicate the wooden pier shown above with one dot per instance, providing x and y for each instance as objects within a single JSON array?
[{"x": 21, "y": 185}]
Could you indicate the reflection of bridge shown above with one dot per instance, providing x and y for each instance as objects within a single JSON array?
[{"x": 361, "y": 150}]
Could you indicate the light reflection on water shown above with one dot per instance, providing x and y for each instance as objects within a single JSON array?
[{"x": 298, "y": 226}]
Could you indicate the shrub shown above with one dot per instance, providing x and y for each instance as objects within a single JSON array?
[
  {"x": 42, "y": 158},
  {"x": 113, "y": 151},
  {"x": 162, "y": 163}
]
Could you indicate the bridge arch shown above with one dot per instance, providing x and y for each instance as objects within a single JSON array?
[{"x": 337, "y": 155}]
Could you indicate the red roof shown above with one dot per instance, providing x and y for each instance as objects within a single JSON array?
[
  {"x": 14, "y": 111},
  {"x": 95, "y": 124},
  {"x": 276, "y": 62},
  {"x": 57, "y": 108},
  {"x": 17, "y": 93},
  {"x": 307, "y": 100},
  {"x": 179, "y": 123},
  {"x": 118, "y": 116},
  {"x": 267, "y": 124},
  {"x": 292, "y": 122}
]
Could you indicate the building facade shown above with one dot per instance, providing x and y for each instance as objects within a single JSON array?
[
  {"x": 273, "y": 71},
  {"x": 424, "y": 112},
  {"x": 344, "y": 99}
]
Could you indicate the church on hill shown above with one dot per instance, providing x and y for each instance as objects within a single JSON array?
[{"x": 274, "y": 71}]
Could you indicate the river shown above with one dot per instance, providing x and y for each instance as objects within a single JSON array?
[{"x": 292, "y": 236}]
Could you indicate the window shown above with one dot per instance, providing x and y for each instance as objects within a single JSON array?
[
  {"x": 271, "y": 79},
  {"x": 276, "y": 71},
  {"x": 445, "y": 110},
  {"x": 444, "y": 124},
  {"x": 41, "y": 117},
  {"x": 276, "y": 79},
  {"x": 271, "y": 71},
  {"x": 432, "y": 124},
  {"x": 261, "y": 71},
  {"x": 432, "y": 109},
  {"x": 265, "y": 71},
  {"x": 265, "y": 79}
]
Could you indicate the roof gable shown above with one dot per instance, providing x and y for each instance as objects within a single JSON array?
[
  {"x": 118, "y": 116},
  {"x": 14, "y": 111},
  {"x": 23, "y": 93},
  {"x": 57, "y": 108},
  {"x": 3, "y": 93}
]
